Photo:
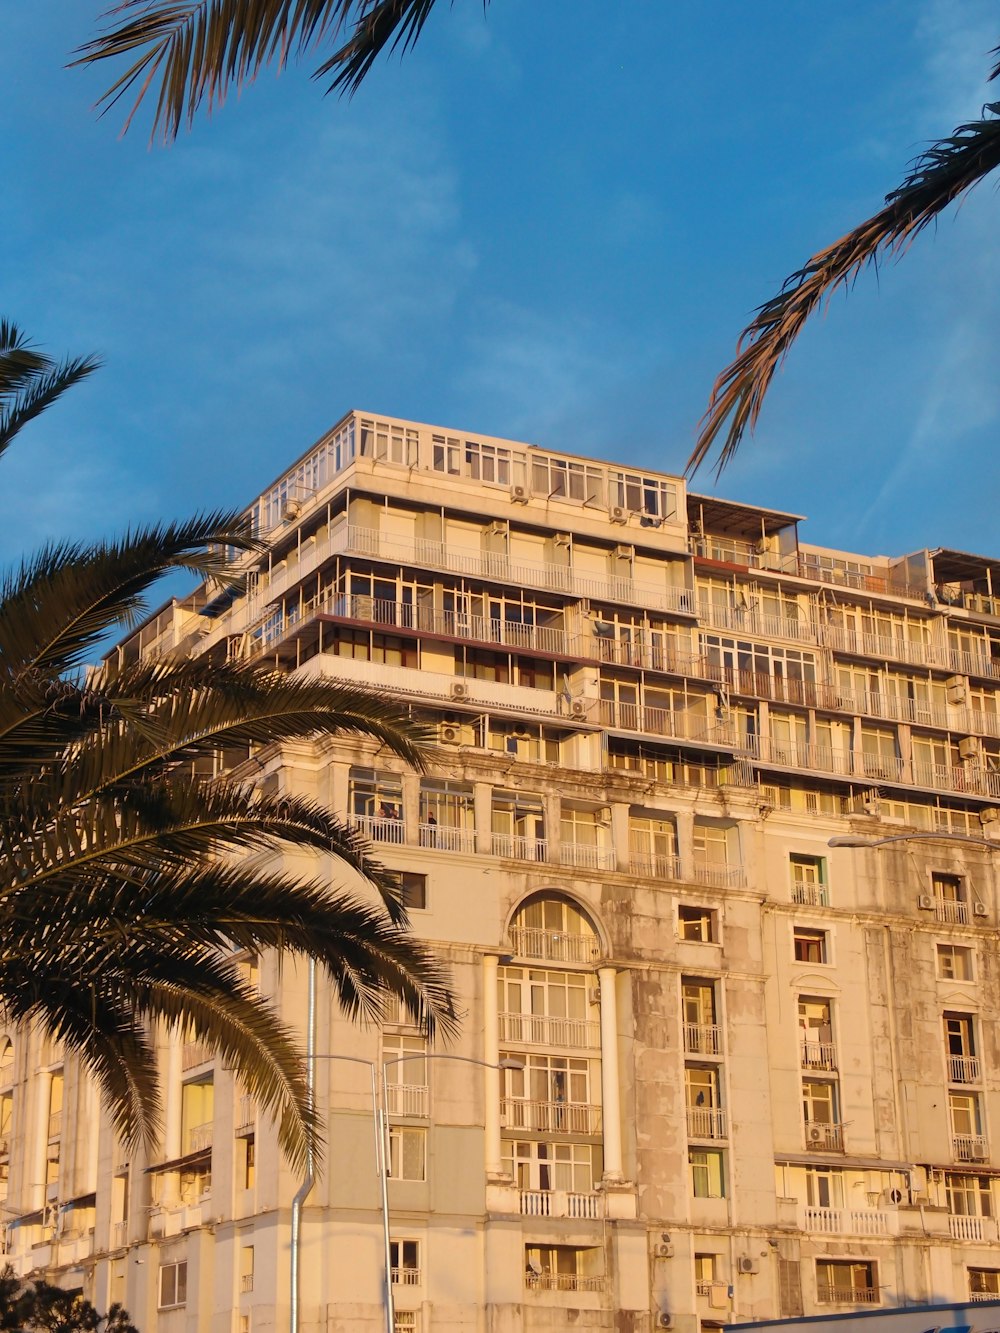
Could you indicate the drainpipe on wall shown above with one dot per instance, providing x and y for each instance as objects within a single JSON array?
[{"x": 307, "y": 1183}]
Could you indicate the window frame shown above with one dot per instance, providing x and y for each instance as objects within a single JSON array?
[
  {"x": 178, "y": 1268},
  {"x": 397, "y": 1155},
  {"x": 813, "y": 934}
]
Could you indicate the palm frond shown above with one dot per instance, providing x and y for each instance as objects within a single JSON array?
[
  {"x": 30, "y": 381},
  {"x": 378, "y": 24},
  {"x": 939, "y": 176}
]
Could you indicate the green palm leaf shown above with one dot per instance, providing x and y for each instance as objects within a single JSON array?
[{"x": 30, "y": 381}]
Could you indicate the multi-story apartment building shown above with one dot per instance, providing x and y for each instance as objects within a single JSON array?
[{"x": 743, "y": 1075}]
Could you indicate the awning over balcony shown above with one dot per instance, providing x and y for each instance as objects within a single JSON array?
[
  {"x": 189, "y": 1162},
  {"x": 728, "y": 518}
]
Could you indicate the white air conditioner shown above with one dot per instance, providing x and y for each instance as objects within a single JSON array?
[
  {"x": 980, "y": 909},
  {"x": 955, "y": 685},
  {"x": 459, "y": 689},
  {"x": 519, "y": 495},
  {"x": 618, "y": 514},
  {"x": 665, "y": 1321},
  {"x": 497, "y": 529},
  {"x": 622, "y": 552},
  {"x": 594, "y": 995},
  {"x": 746, "y": 1264},
  {"x": 925, "y": 902},
  {"x": 968, "y": 747},
  {"x": 893, "y": 1197},
  {"x": 990, "y": 815},
  {"x": 578, "y": 707},
  {"x": 815, "y": 1134},
  {"x": 562, "y": 539},
  {"x": 450, "y": 734},
  {"x": 663, "y": 1251},
  {"x": 292, "y": 509}
]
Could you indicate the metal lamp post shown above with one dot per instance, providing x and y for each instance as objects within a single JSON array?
[{"x": 860, "y": 840}]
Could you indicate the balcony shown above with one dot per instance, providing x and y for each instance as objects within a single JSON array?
[
  {"x": 119, "y": 1235},
  {"x": 246, "y": 1282},
  {"x": 718, "y": 875},
  {"x": 650, "y": 865},
  {"x": 845, "y": 1221},
  {"x": 407, "y": 1099},
  {"x": 586, "y": 857},
  {"x": 706, "y": 1122},
  {"x": 556, "y": 945},
  {"x": 819, "y": 1055},
  {"x": 975, "y": 1296},
  {"x": 741, "y": 620},
  {"x": 824, "y": 1136},
  {"x": 445, "y": 838},
  {"x": 550, "y": 1117},
  {"x": 969, "y": 1147},
  {"x": 377, "y": 828},
  {"x": 980, "y": 1229},
  {"x": 878, "y": 767},
  {"x": 884, "y": 646},
  {"x": 516, "y": 847},
  {"x": 561, "y": 1203},
  {"x": 691, "y": 726},
  {"x": 195, "y": 1053},
  {"x": 973, "y": 664},
  {"x": 963, "y": 1069},
  {"x": 199, "y": 1137},
  {"x": 405, "y": 1277},
  {"x": 246, "y": 1117},
  {"x": 810, "y": 895},
  {"x": 563, "y": 1282},
  {"x": 702, "y": 1039},
  {"x": 951, "y": 911},
  {"x": 538, "y": 1030},
  {"x": 833, "y": 1294}
]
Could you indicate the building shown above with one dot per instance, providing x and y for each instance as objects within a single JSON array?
[{"x": 746, "y": 1076}]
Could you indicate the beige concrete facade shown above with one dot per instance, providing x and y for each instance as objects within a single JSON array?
[{"x": 759, "y": 1077}]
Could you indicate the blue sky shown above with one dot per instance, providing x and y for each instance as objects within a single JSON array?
[{"x": 549, "y": 223}]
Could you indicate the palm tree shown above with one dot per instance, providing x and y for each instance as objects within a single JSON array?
[
  {"x": 125, "y": 884},
  {"x": 195, "y": 52}
]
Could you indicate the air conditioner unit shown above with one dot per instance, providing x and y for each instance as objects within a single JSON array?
[
  {"x": 746, "y": 1264},
  {"x": 594, "y": 995},
  {"x": 815, "y": 1135},
  {"x": 894, "y": 1197},
  {"x": 450, "y": 734},
  {"x": 980, "y": 909},
  {"x": 622, "y": 552},
  {"x": 292, "y": 509},
  {"x": 562, "y": 539},
  {"x": 578, "y": 707},
  {"x": 990, "y": 815},
  {"x": 459, "y": 689},
  {"x": 665, "y": 1321},
  {"x": 925, "y": 902},
  {"x": 918, "y": 1179},
  {"x": 955, "y": 685},
  {"x": 968, "y": 747},
  {"x": 663, "y": 1251},
  {"x": 519, "y": 495},
  {"x": 618, "y": 514},
  {"x": 497, "y": 529}
]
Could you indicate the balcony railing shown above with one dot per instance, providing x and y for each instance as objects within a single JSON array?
[
  {"x": 718, "y": 875},
  {"x": 561, "y": 1203},
  {"x": 246, "y": 1116},
  {"x": 406, "y": 1277},
  {"x": 883, "y": 646},
  {"x": 810, "y": 895},
  {"x": 199, "y": 1137},
  {"x": 550, "y": 1117},
  {"x": 969, "y": 1147},
  {"x": 972, "y": 1228},
  {"x": 55, "y": 1124},
  {"x": 246, "y": 1282},
  {"x": 119, "y": 1235},
  {"x": 537, "y": 1030},
  {"x": 445, "y": 838},
  {"x": 690, "y": 725},
  {"x": 975, "y": 1296},
  {"x": 824, "y": 1136},
  {"x": 516, "y": 847},
  {"x": 951, "y": 911},
  {"x": 963, "y": 1068},
  {"x": 378, "y": 828},
  {"x": 194, "y": 1053},
  {"x": 702, "y": 1039},
  {"x": 407, "y": 1099},
  {"x": 706, "y": 1122},
  {"x": 819, "y": 1055},
  {"x": 741, "y": 620},
  {"x": 563, "y": 1282},
  {"x": 652, "y": 865},
  {"x": 586, "y": 857},
  {"x": 834, "y": 1294},
  {"x": 845, "y": 1221},
  {"x": 558, "y": 945}
]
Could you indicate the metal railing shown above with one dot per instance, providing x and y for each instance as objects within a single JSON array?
[
  {"x": 666, "y": 722},
  {"x": 829, "y": 1293},
  {"x": 742, "y": 620},
  {"x": 199, "y": 1137},
  {"x": 119, "y": 1235},
  {"x": 586, "y": 857},
  {"x": 952, "y": 911},
  {"x": 195, "y": 1053},
  {"x": 562, "y": 1282},
  {"x": 445, "y": 838},
  {"x": 246, "y": 1282},
  {"x": 406, "y": 1277},
  {"x": 883, "y": 646},
  {"x": 706, "y": 1122},
  {"x": 985, "y": 1295},
  {"x": 517, "y": 847},
  {"x": 378, "y": 828},
  {"x": 407, "y": 1099},
  {"x": 845, "y": 1221},
  {"x": 654, "y": 865},
  {"x": 550, "y": 1117},
  {"x": 702, "y": 1039},
  {"x": 809, "y": 895},
  {"x": 819, "y": 1055},
  {"x": 539, "y": 1030},
  {"x": 558, "y": 945},
  {"x": 824, "y": 1136},
  {"x": 969, "y": 1147},
  {"x": 246, "y": 1116},
  {"x": 963, "y": 1068},
  {"x": 717, "y": 875}
]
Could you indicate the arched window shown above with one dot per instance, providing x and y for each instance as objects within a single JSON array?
[
  {"x": 6, "y": 1064},
  {"x": 554, "y": 928}
]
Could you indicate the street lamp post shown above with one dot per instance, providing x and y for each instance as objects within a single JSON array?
[
  {"x": 383, "y": 1164},
  {"x": 861, "y": 840}
]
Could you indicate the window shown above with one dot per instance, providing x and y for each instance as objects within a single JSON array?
[
  {"x": 563, "y": 1268},
  {"x": 809, "y": 880},
  {"x": 969, "y": 1196},
  {"x": 705, "y": 1268},
  {"x": 173, "y": 1284},
  {"x": 809, "y": 946},
  {"x": 248, "y": 1164},
  {"x": 984, "y": 1284},
  {"x": 959, "y": 1040},
  {"x": 376, "y": 796},
  {"x": 967, "y": 1139},
  {"x": 551, "y": 1094},
  {"x": 951, "y": 902},
  {"x": 954, "y": 962},
  {"x": 820, "y": 1110},
  {"x": 197, "y": 1113},
  {"x": 246, "y": 1268},
  {"x": 573, "y": 1167},
  {"x": 824, "y": 1188},
  {"x": 405, "y": 1069},
  {"x": 404, "y": 1262},
  {"x": 846, "y": 1282},
  {"x": 705, "y": 1117},
  {"x": 707, "y": 1173},
  {"x": 412, "y": 889},
  {"x": 405, "y": 1321},
  {"x": 697, "y": 923},
  {"x": 816, "y": 1033},
  {"x": 556, "y": 929},
  {"x": 407, "y": 1153},
  {"x": 701, "y": 1030}
]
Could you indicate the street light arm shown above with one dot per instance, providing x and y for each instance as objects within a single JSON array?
[{"x": 859, "y": 840}]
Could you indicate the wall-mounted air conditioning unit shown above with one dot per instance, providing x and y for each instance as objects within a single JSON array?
[
  {"x": 292, "y": 509},
  {"x": 955, "y": 685},
  {"x": 746, "y": 1265},
  {"x": 562, "y": 539},
  {"x": 664, "y": 1251},
  {"x": 990, "y": 815},
  {"x": 665, "y": 1321},
  {"x": 519, "y": 495},
  {"x": 815, "y": 1134},
  {"x": 449, "y": 734},
  {"x": 578, "y": 707},
  {"x": 926, "y": 902},
  {"x": 622, "y": 552},
  {"x": 968, "y": 747},
  {"x": 459, "y": 689},
  {"x": 618, "y": 514},
  {"x": 980, "y": 909}
]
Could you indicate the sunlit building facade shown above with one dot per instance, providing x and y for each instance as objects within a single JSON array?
[{"x": 744, "y": 1075}]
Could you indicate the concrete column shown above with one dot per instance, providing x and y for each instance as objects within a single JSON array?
[
  {"x": 906, "y": 750},
  {"x": 171, "y": 1118},
  {"x": 411, "y": 809},
  {"x": 610, "y": 1094},
  {"x": 38, "y": 1157},
  {"x": 491, "y": 1077},
  {"x": 482, "y": 796},
  {"x": 553, "y": 823},
  {"x": 339, "y": 790},
  {"x": 619, "y": 835},
  {"x": 858, "y": 766},
  {"x": 685, "y": 843}
]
